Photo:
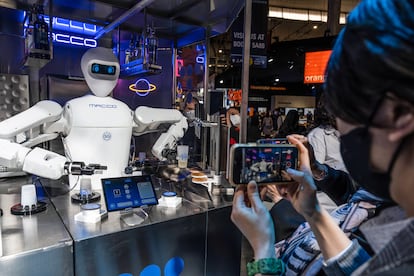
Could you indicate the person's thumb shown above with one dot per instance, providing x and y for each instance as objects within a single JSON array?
[
  {"x": 253, "y": 193},
  {"x": 296, "y": 175}
]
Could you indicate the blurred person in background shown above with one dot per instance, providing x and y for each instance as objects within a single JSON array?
[{"x": 290, "y": 125}]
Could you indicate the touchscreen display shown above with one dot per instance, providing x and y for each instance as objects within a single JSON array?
[{"x": 128, "y": 192}]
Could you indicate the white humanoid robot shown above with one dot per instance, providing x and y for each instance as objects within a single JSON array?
[{"x": 96, "y": 129}]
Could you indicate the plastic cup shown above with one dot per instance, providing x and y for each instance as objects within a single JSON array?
[
  {"x": 182, "y": 156},
  {"x": 28, "y": 197}
]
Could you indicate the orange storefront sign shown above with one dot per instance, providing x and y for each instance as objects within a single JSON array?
[{"x": 315, "y": 65}]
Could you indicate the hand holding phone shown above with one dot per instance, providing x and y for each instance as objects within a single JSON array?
[{"x": 265, "y": 163}]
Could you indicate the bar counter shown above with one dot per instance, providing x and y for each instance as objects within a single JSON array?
[
  {"x": 195, "y": 238},
  {"x": 37, "y": 244}
]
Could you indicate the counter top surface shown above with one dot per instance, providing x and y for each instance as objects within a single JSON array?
[
  {"x": 196, "y": 200},
  {"x": 23, "y": 234}
]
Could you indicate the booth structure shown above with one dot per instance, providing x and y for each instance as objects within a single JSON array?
[{"x": 195, "y": 238}]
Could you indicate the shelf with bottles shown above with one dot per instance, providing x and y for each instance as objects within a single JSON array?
[
  {"x": 38, "y": 45},
  {"x": 141, "y": 55}
]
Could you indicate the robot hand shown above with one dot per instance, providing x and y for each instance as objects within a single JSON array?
[
  {"x": 42, "y": 162},
  {"x": 149, "y": 119}
]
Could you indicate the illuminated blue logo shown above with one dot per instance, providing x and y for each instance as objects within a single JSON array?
[
  {"x": 74, "y": 40},
  {"x": 173, "y": 267},
  {"x": 200, "y": 59},
  {"x": 75, "y": 32},
  {"x": 73, "y": 26}
]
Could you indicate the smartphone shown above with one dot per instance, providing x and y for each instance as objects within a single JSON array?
[
  {"x": 261, "y": 163},
  {"x": 273, "y": 141}
]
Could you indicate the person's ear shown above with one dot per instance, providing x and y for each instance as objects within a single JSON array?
[{"x": 403, "y": 122}]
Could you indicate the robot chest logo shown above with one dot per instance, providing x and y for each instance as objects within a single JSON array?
[
  {"x": 106, "y": 136},
  {"x": 142, "y": 87}
]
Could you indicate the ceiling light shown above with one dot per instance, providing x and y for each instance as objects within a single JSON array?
[
  {"x": 270, "y": 60},
  {"x": 221, "y": 81},
  {"x": 220, "y": 51},
  {"x": 303, "y": 14},
  {"x": 315, "y": 27}
]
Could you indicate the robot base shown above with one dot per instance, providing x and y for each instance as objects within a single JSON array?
[
  {"x": 83, "y": 199},
  {"x": 20, "y": 210}
]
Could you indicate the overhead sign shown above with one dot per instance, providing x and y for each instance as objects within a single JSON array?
[
  {"x": 74, "y": 40},
  {"x": 315, "y": 66},
  {"x": 258, "y": 36},
  {"x": 75, "y": 32}
]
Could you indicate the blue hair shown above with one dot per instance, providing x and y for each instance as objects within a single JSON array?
[{"x": 373, "y": 54}]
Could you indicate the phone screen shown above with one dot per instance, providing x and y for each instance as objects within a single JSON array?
[{"x": 262, "y": 163}]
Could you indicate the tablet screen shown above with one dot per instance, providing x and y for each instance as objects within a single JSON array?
[{"x": 128, "y": 192}]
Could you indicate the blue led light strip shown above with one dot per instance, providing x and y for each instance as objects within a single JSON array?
[
  {"x": 84, "y": 32},
  {"x": 74, "y": 40},
  {"x": 73, "y": 26}
]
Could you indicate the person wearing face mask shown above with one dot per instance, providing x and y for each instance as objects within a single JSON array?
[
  {"x": 369, "y": 89},
  {"x": 190, "y": 138},
  {"x": 233, "y": 121}
]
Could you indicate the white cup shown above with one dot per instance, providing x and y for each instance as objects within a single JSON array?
[
  {"x": 182, "y": 156},
  {"x": 28, "y": 197}
]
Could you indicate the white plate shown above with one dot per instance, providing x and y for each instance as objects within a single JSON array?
[
  {"x": 200, "y": 180},
  {"x": 199, "y": 177}
]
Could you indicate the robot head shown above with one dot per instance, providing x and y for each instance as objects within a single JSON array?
[{"x": 100, "y": 68}]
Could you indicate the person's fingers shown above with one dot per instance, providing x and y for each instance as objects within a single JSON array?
[
  {"x": 271, "y": 188},
  {"x": 238, "y": 198},
  {"x": 305, "y": 179},
  {"x": 253, "y": 194},
  {"x": 287, "y": 189},
  {"x": 299, "y": 137},
  {"x": 303, "y": 153},
  {"x": 263, "y": 192},
  {"x": 286, "y": 176}
]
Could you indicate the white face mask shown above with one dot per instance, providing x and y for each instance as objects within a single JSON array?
[
  {"x": 235, "y": 119},
  {"x": 190, "y": 114}
]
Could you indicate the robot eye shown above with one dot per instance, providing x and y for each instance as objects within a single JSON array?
[
  {"x": 95, "y": 68},
  {"x": 103, "y": 69}
]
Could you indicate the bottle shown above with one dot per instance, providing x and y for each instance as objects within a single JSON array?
[
  {"x": 139, "y": 46},
  {"x": 130, "y": 51},
  {"x": 152, "y": 47},
  {"x": 41, "y": 31}
]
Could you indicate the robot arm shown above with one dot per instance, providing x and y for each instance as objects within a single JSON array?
[
  {"x": 149, "y": 119},
  {"x": 42, "y": 122},
  {"x": 34, "y": 125},
  {"x": 41, "y": 162}
]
